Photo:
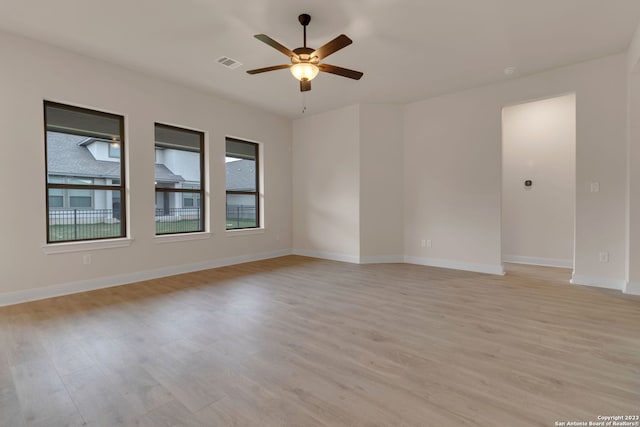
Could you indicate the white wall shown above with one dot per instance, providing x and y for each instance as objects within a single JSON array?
[
  {"x": 326, "y": 184},
  {"x": 633, "y": 274},
  {"x": 381, "y": 183},
  {"x": 633, "y": 160},
  {"x": 32, "y": 72},
  {"x": 453, "y": 180},
  {"x": 451, "y": 167},
  {"x": 633, "y": 52},
  {"x": 452, "y": 174},
  {"x": 347, "y": 180},
  {"x": 539, "y": 144}
]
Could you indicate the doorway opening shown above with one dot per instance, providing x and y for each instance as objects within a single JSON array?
[{"x": 538, "y": 182}]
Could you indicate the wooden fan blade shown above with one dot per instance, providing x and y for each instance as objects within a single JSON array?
[
  {"x": 333, "y": 46},
  {"x": 344, "y": 72},
  {"x": 274, "y": 44},
  {"x": 265, "y": 69},
  {"x": 305, "y": 85}
]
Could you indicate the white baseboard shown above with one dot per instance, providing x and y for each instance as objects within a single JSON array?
[
  {"x": 600, "y": 282},
  {"x": 353, "y": 259},
  {"x": 431, "y": 262},
  {"x": 546, "y": 262},
  {"x": 26, "y": 295},
  {"x": 332, "y": 256},
  {"x": 456, "y": 265},
  {"x": 632, "y": 288},
  {"x": 382, "y": 259}
]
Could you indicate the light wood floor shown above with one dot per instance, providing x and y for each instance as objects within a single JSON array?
[{"x": 298, "y": 341}]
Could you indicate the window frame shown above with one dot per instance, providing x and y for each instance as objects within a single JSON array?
[
  {"x": 201, "y": 191},
  {"x": 66, "y": 186},
  {"x": 255, "y": 193}
]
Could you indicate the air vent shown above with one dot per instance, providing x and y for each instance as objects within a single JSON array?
[{"x": 228, "y": 62}]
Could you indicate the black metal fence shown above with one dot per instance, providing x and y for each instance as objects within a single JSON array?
[
  {"x": 241, "y": 216},
  {"x": 173, "y": 214},
  {"x": 80, "y": 216},
  {"x": 178, "y": 220},
  {"x": 80, "y": 224}
]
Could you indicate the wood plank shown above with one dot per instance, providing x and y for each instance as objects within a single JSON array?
[
  {"x": 300, "y": 341},
  {"x": 170, "y": 414},
  {"x": 97, "y": 400},
  {"x": 41, "y": 393},
  {"x": 11, "y": 415}
]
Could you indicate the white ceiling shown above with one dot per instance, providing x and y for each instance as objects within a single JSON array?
[{"x": 407, "y": 49}]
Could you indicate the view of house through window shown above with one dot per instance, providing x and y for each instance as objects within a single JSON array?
[
  {"x": 243, "y": 207},
  {"x": 85, "y": 184},
  {"x": 179, "y": 178}
]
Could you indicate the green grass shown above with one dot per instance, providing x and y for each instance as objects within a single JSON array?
[
  {"x": 58, "y": 233},
  {"x": 242, "y": 223},
  {"x": 182, "y": 226}
]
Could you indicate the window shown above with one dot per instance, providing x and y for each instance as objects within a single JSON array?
[
  {"x": 114, "y": 150},
  {"x": 60, "y": 198},
  {"x": 85, "y": 186},
  {"x": 190, "y": 200},
  {"x": 179, "y": 177},
  {"x": 56, "y": 195},
  {"x": 80, "y": 198},
  {"x": 243, "y": 207}
]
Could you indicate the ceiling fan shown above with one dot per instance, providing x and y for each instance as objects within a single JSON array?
[{"x": 305, "y": 61}]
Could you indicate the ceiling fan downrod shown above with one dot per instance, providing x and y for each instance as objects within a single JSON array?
[{"x": 304, "y": 19}]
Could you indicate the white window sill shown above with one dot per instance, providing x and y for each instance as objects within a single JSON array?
[
  {"x": 244, "y": 232},
  {"x": 67, "y": 247},
  {"x": 170, "y": 238}
]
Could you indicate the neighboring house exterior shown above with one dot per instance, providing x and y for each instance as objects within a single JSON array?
[
  {"x": 79, "y": 159},
  {"x": 240, "y": 176},
  {"x": 82, "y": 160},
  {"x": 177, "y": 169}
]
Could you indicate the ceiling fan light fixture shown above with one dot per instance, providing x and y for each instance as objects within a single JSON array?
[
  {"x": 304, "y": 70},
  {"x": 305, "y": 61}
]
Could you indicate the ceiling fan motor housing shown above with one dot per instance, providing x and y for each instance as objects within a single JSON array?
[
  {"x": 304, "y": 19},
  {"x": 304, "y": 55}
]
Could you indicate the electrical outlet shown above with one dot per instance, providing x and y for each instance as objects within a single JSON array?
[
  {"x": 595, "y": 187},
  {"x": 429, "y": 243},
  {"x": 604, "y": 256},
  {"x": 423, "y": 243},
  {"x": 86, "y": 259}
]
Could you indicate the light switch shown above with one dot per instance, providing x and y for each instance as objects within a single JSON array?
[{"x": 595, "y": 187}]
